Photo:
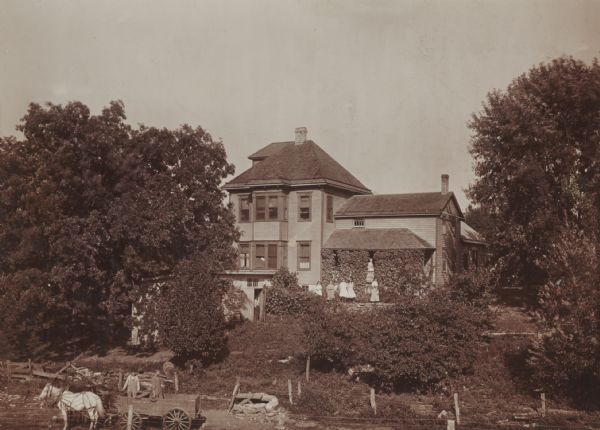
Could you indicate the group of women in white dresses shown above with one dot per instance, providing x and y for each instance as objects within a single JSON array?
[{"x": 345, "y": 290}]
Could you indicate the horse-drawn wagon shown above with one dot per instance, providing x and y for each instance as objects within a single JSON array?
[{"x": 177, "y": 411}]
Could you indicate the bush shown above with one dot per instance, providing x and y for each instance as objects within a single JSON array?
[
  {"x": 286, "y": 297},
  {"x": 567, "y": 360},
  {"x": 473, "y": 287},
  {"x": 412, "y": 344},
  {"x": 187, "y": 315}
]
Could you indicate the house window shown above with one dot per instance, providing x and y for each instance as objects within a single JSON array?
[
  {"x": 329, "y": 208},
  {"x": 266, "y": 256},
  {"x": 273, "y": 208},
  {"x": 260, "y": 257},
  {"x": 303, "y": 207},
  {"x": 272, "y": 256},
  {"x": 244, "y": 255},
  {"x": 252, "y": 282},
  {"x": 303, "y": 255},
  {"x": 244, "y": 208},
  {"x": 260, "y": 205},
  {"x": 444, "y": 228},
  {"x": 359, "y": 222}
]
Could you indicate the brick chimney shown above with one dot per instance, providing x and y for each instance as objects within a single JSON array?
[
  {"x": 445, "y": 183},
  {"x": 300, "y": 135}
]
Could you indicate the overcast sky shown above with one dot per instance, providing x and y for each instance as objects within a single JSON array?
[{"x": 385, "y": 87}]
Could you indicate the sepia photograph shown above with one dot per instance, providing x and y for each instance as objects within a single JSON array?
[{"x": 299, "y": 214}]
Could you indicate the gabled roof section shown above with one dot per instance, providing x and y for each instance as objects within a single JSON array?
[
  {"x": 270, "y": 149},
  {"x": 470, "y": 235},
  {"x": 377, "y": 238},
  {"x": 397, "y": 205},
  {"x": 306, "y": 163}
]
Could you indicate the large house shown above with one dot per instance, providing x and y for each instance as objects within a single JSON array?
[{"x": 296, "y": 204}]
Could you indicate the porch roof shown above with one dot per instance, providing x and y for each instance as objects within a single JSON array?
[{"x": 376, "y": 239}]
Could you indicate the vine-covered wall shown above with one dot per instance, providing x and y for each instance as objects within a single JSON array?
[{"x": 398, "y": 272}]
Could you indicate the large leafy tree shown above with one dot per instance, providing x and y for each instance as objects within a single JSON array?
[
  {"x": 90, "y": 209},
  {"x": 537, "y": 158},
  {"x": 536, "y": 148}
]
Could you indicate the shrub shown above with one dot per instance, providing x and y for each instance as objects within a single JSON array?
[
  {"x": 286, "y": 297},
  {"x": 412, "y": 344},
  {"x": 187, "y": 313},
  {"x": 473, "y": 287},
  {"x": 567, "y": 360}
]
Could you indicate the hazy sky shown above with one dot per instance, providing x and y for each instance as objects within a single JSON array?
[{"x": 385, "y": 87}]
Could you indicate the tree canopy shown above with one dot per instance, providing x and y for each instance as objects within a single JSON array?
[
  {"x": 536, "y": 152},
  {"x": 537, "y": 159},
  {"x": 90, "y": 209}
]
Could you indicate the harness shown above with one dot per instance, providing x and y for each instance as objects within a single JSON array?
[{"x": 48, "y": 401}]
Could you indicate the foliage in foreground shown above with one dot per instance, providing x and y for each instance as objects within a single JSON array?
[
  {"x": 566, "y": 361},
  {"x": 414, "y": 343},
  {"x": 90, "y": 209}
]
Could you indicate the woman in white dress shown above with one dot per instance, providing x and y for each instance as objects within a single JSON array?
[
  {"x": 374, "y": 291},
  {"x": 370, "y": 271}
]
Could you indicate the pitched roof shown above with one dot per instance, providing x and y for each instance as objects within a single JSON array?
[
  {"x": 298, "y": 164},
  {"x": 470, "y": 235},
  {"x": 270, "y": 149},
  {"x": 377, "y": 238},
  {"x": 396, "y": 205}
]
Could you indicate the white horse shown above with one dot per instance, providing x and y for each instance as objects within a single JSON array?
[{"x": 68, "y": 401}]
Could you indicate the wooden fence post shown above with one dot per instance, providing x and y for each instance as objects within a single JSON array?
[
  {"x": 176, "y": 382},
  {"x": 299, "y": 388},
  {"x": 307, "y": 368},
  {"x": 129, "y": 417},
  {"x": 290, "y": 391},
  {"x": 543, "y": 398},
  {"x": 450, "y": 425},
  {"x": 29, "y": 367},
  {"x": 8, "y": 375},
  {"x": 372, "y": 401},
  {"x": 236, "y": 388},
  {"x": 120, "y": 381},
  {"x": 456, "y": 408}
]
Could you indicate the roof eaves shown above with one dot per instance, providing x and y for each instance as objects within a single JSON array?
[
  {"x": 384, "y": 215},
  {"x": 473, "y": 241},
  {"x": 294, "y": 183}
]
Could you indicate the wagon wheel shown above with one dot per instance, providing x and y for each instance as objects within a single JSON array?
[
  {"x": 136, "y": 421},
  {"x": 177, "y": 419}
]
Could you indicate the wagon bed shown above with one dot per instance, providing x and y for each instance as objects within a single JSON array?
[{"x": 178, "y": 411}]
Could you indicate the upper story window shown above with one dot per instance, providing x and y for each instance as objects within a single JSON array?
[
  {"x": 303, "y": 255},
  {"x": 244, "y": 251},
  {"x": 260, "y": 208},
  {"x": 329, "y": 208},
  {"x": 273, "y": 208},
  {"x": 244, "y": 209},
  {"x": 359, "y": 222},
  {"x": 304, "y": 206},
  {"x": 270, "y": 207}
]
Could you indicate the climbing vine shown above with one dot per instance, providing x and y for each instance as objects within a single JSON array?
[{"x": 398, "y": 272}]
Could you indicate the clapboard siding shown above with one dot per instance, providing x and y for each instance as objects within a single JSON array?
[{"x": 424, "y": 227}]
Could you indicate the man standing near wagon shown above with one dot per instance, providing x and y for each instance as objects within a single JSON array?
[
  {"x": 157, "y": 387},
  {"x": 132, "y": 384}
]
